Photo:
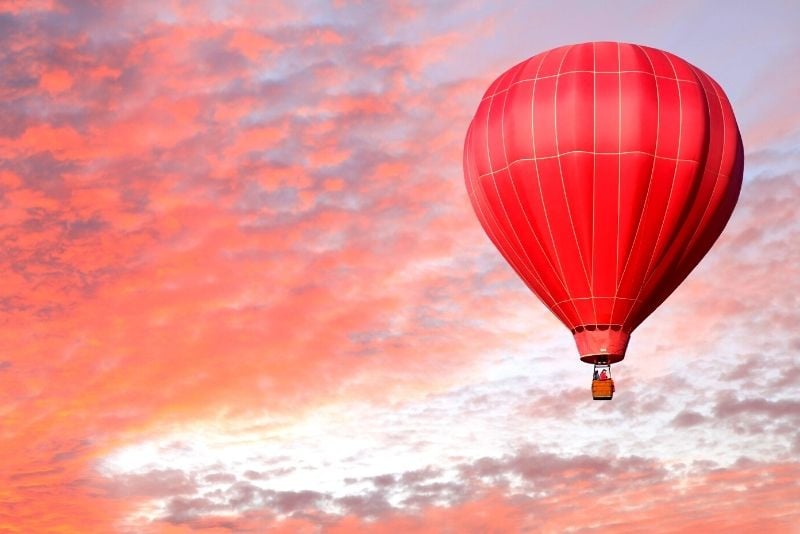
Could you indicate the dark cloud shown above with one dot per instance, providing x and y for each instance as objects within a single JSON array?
[
  {"x": 551, "y": 486},
  {"x": 244, "y": 498},
  {"x": 730, "y": 406},
  {"x": 14, "y": 120},
  {"x": 214, "y": 57},
  {"x": 42, "y": 172},
  {"x": 369, "y": 506},
  {"x": 83, "y": 228},
  {"x": 183, "y": 510},
  {"x": 244, "y": 495},
  {"x": 292, "y": 501},
  {"x": 417, "y": 476},
  {"x": 790, "y": 376},
  {"x": 429, "y": 494},
  {"x": 218, "y": 478},
  {"x": 688, "y": 418},
  {"x": 154, "y": 484},
  {"x": 383, "y": 481},
  {"x": 546, "y": 470},
  {"x": 69, "y": 453}
]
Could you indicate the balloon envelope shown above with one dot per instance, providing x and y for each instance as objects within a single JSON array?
[{"x": 603, "y": 173}]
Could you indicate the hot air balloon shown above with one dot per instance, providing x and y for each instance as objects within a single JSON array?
[{"x": 603, "y": 173}]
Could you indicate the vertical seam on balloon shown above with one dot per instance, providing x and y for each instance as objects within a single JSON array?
[
  {"x": 648, "y": 273},
  {"x": 560, "y": 278},
  {"x": 533, "y": 148},
  {"x": 513, "y": 186},
  {"x": 519, "y": 201},
  {"x": 544, "y": 207},
  {"x": 647, "y": 194},
  {"x": 561, "y": 173},
  {"x": 594, "y": 171},
  {"x": 691, "y": 240},
  {"x": 493, "y": 236},
  {"x": 619, "y": 177},
  {"x": 528, "y": 266}
]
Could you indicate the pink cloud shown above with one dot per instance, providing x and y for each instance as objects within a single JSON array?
[
  {"x": 579, "y": 492},
  {"x": 231, "y": 209}
]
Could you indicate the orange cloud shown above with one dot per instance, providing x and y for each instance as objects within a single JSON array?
[
  {"x": 615, "y": 495},
  {"x": 56, "y": 81},
  {"x": 253, "y": 44},
  {"x": 215, "y": 212},
  {"x": 21, "y": 6}
]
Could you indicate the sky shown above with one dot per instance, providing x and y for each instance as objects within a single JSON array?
[{"x": 243, "y": 289}]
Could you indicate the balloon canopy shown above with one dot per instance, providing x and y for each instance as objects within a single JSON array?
[{"x": 603, "y": 173}]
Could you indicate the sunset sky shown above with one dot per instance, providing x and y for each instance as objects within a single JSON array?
[{"x": 243, "y": 288}]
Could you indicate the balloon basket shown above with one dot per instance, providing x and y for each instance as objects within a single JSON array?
[{"x": 602, "y": 389}]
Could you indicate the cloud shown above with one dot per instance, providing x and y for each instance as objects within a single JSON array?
[
  {"x": 216, "y": 215},
  {"x": 195, "y": 223},
  {"x": 688, "y": 418},
  {"x": 730, "y": 406},
  {"x": 527, "y": 489},
  {"x": 153, "y": 484}
]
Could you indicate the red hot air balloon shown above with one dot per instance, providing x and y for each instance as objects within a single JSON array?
[{"x": 603, "y": 173}]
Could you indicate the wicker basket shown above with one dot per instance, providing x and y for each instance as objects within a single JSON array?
[{"x": 602, "y": 389}]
